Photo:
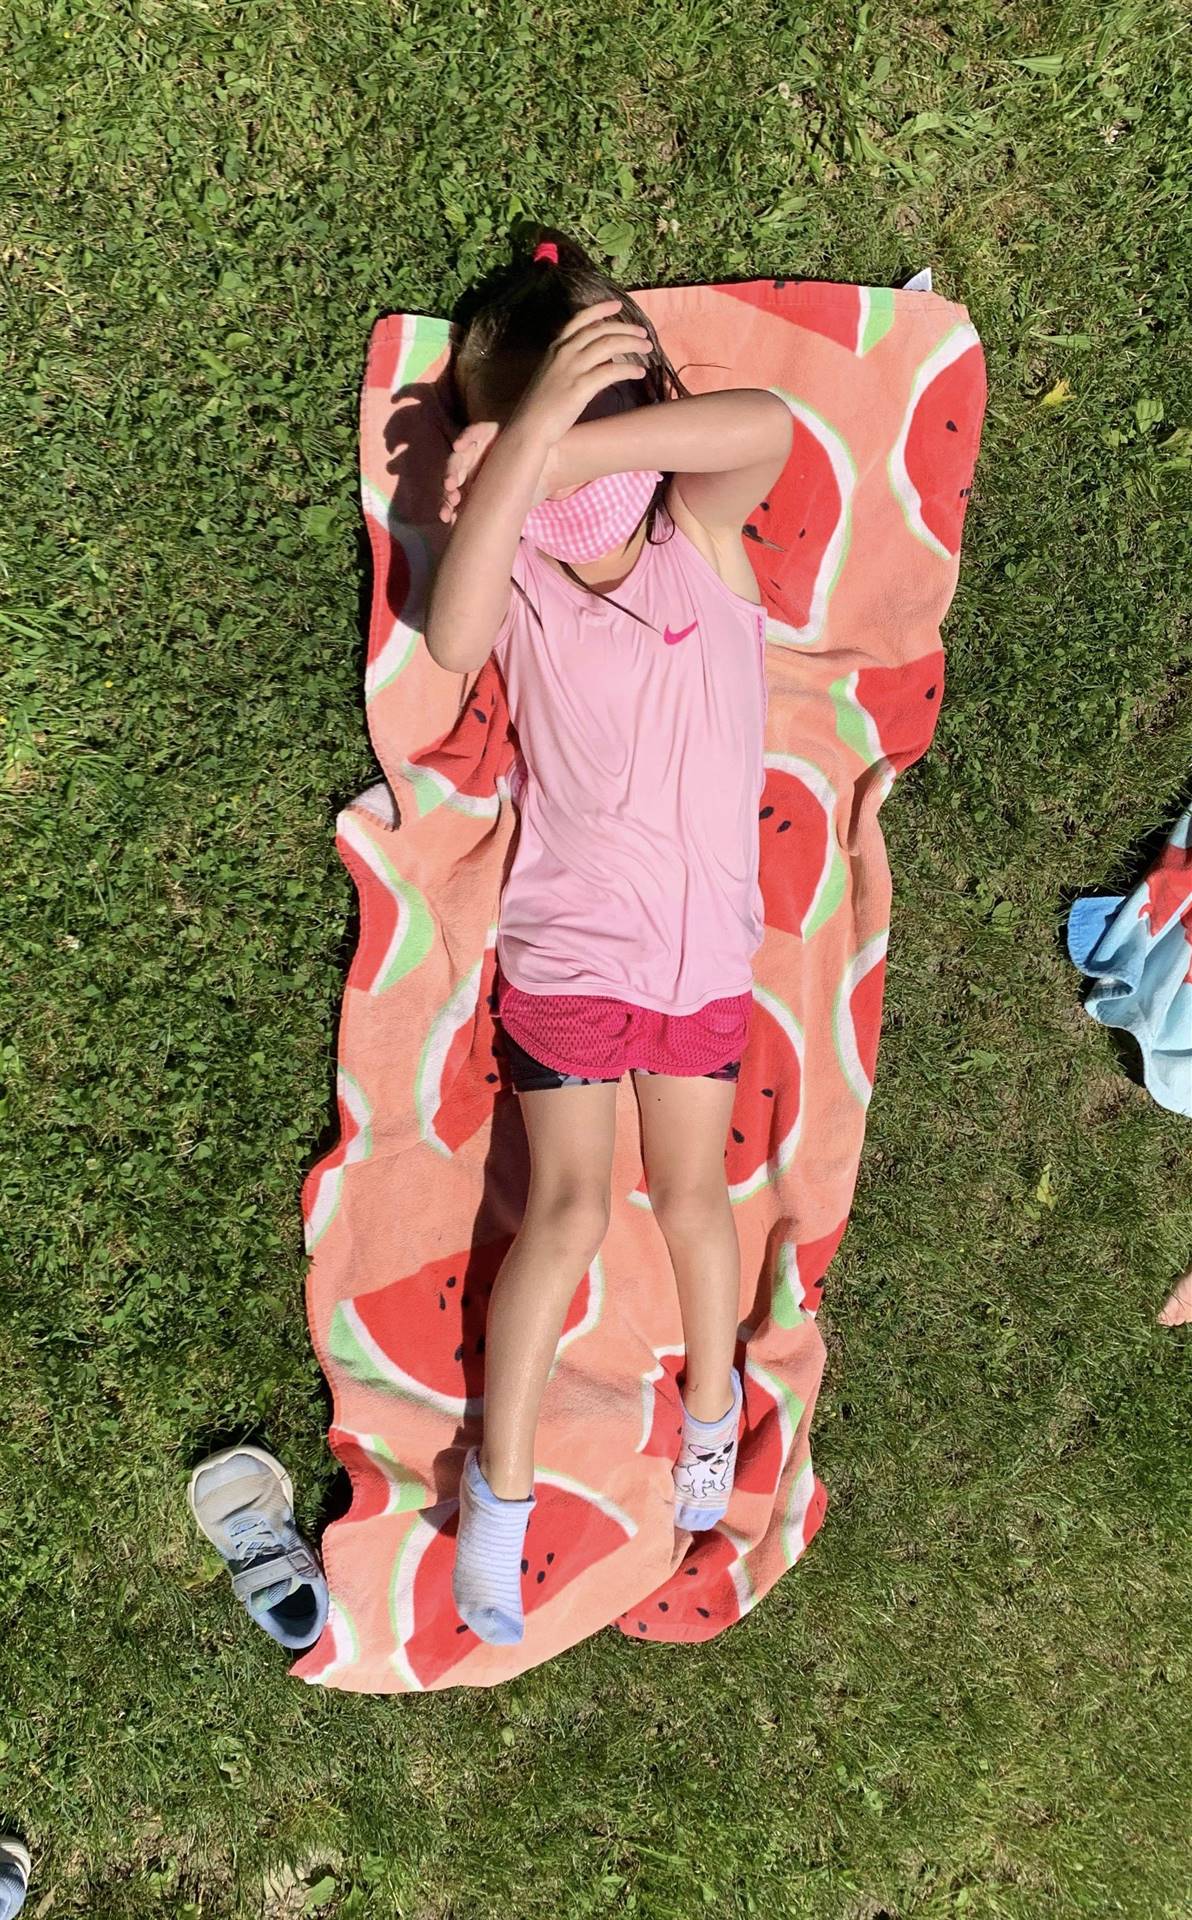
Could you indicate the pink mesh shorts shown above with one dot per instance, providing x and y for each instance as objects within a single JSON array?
[{"x": 590, "y": 1037}]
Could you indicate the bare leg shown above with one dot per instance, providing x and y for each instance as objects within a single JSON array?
[
  {"x": 685, "y": 1123},
  {"x": 571, "y": 1132}
]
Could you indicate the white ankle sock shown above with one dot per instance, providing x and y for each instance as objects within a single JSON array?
[
  {"x": 704, "y": 1470},
  {"x": 486, "y": 1577}
]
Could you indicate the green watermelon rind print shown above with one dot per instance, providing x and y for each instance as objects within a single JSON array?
[
  {"x": 844, "y": 469},
  {"x": 794, "y": 1517},
  {"x": 790, "y": 1405},
  {"x": 786, "y": 1300},
  {"x": 875, "y": 319},
  {"x": 855, "y": 1077},
  {"x": 958, "y": 341},
  {"x": 414, "y": 931},
  {"x": 422, "y": 1532},
  {"x": 738, "y": 1569},
  {"x": 407, "y": 1490},
  {"x": 433, "y": 789},
  {"x": 855, "y": 725},
  {"x": 423, "y": 338},
  {"x": 329, "y": 1184}
]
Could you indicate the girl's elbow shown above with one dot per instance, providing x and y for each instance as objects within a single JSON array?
[
  {"x": 439, "y": 647},
  {"x": 433, "y": 643},
  {"x": 443, "y": 655},
  {"x": 435, "y": 634},
  {"x": 452, "y": 657}
]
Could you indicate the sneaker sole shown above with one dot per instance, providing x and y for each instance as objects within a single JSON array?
[{"x": 19, "y": 1851}]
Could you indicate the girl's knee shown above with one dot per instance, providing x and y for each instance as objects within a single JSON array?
[
  {"x": 576, "y": 1215},
  {"x": 691, "y": 1208}
]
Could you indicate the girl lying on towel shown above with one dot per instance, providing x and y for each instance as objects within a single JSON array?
[{"x": 596, "y": 549}]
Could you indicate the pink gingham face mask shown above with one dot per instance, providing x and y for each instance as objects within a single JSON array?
[{"x": 593, "y": 520}]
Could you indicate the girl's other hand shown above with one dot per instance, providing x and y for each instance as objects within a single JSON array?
[
  {"x": 590, "y": 352},
  {"x": 464, "y": 462},
  {"x": 468, "y": 452}
]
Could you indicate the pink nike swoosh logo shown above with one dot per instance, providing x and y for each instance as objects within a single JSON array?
[{"x": 672, "y": 638}]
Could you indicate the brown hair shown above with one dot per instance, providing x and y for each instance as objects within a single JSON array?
[{"x": 508, "y": 322}]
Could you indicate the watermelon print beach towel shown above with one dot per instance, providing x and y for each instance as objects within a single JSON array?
[{"x": 408, "y": 1215}]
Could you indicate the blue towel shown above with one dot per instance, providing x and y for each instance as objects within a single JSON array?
[{"x": 1139, "y": 948}]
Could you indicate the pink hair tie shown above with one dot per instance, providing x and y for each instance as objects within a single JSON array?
[{"x": 547, "y": 250}]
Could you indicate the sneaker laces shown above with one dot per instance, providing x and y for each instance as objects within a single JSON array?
[{"x": 254, "y": 1538}]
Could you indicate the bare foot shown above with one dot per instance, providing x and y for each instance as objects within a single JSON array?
[{"x": 1177, "y": 1309}]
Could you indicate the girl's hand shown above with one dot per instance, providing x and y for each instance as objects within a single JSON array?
[
  {"x": 464, "y": 462},
  {"x": 590, "y": 352},
  {"x": 468, "y": 451}
]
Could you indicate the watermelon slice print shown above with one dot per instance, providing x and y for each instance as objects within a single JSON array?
[
  {"x": 770, "y": 1416},
  {"x": 799, "y": 1276},
  {"x": 421, "y": 1338},
  {"x": 571, "y": 1529},
  {"x": 399, "y": 608},
  {"x": 890, "y": 713},
  {"x": 770, "y": 1420},
  {"x": 323, "y": 1185},
  {"x": 461, "y": 770},
  {"x": 713, "y": 1586},
  {"x": 801, "y": 868},
  {"x": 380, "y": 1483},
  {"x": 857, "y": 1016},
  {"x": 401, "y": 353},
  {"x": 662, "y": 1405},
  {"x": 461, "y": 1072},
  {"x": 856, "y": 318},
  {"x": 396, "y": 926},
  {"x": 767, "y": 1115},
  {"x": 931, "y": 463},
  {"x": 809, "y": 516},
  {"x": 805, "y": 1508},
  {"x": 707, "y": 1592}
]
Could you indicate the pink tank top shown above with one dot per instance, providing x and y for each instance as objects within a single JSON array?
[{"x": 638, "y": 782}]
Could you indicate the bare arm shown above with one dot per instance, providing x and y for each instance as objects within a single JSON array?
[
  {"x": 725, "y": 449},
  {"x": 471, "y": 589}
]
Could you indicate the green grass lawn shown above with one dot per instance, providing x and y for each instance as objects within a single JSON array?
[{"x": 973, "y": 1696}]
